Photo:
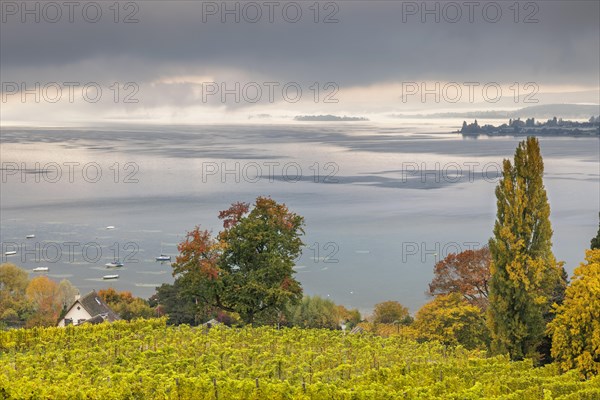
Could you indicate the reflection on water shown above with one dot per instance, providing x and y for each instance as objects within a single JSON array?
[{"x": 382, "y": 204}]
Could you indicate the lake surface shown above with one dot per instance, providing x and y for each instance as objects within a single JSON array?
[{"x": 382, "y": 203}]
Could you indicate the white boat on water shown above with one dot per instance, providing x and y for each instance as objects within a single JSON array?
[
  {"x": 114, "y": 264},
  {"x": 163, "y": 257},
  {"x": 40, "y": 269},
  {"x": 110, "y": 277},
  {"x": 10, "y": 253},
  {"x": 29, "y": 236},
  {"x": 110, "y": 227}
]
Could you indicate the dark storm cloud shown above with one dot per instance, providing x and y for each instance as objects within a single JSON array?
[{"x": 370, "y": 44}]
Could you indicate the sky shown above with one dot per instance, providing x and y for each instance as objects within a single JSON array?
[{"x": 195, "y": 61}]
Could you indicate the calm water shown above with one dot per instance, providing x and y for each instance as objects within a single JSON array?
[{"x": 382, "y": 203}]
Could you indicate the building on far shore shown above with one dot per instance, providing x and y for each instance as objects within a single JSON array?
[{"x": 89, "y": 308}]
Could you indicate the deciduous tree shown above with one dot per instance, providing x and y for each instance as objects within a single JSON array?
[
  {"x": 451, "y": 320},
  {"x": 524, "y": 272},
  {"x": 125, "y": 304},
  {"x": 67, "y": 293},
  {"x": 389, "y": 312},
  {"x": 179, "y": 306},
  {"x": 576, "y": 329},
  {"x": 314, "y": 312},
  {"x": 45, "y": 296},
  {"x": 248, "y": 268},
  {"x": 467, "y": 273},
  {"x": 13, "y": 280},
  {"x": 14, "y": 305},
  {"x": 260, "y": 249}
]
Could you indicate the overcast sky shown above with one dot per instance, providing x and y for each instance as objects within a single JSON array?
[{"x": 176, "y": 57}]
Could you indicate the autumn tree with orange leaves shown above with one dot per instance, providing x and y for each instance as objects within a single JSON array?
[
  {"x": 466, "y": 273},
  {"x": 44, "y": 294},
  {"x": 248, "y": 267}
]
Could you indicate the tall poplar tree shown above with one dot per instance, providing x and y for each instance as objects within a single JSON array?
[{"x": 524, "y": 273}]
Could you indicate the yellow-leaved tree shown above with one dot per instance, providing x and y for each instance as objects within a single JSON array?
[
  {"x": 451, "y": 320},
  {"x": 525, "y": 278},
  {"x": 576, "y": 328}
]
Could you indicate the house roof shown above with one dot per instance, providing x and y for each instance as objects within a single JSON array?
[
  {"x": 211, "y": 323},
  {"x": 94, "y": 305},
  {"x": 98, "y": 319},
  {"x": 357, "y": 329}
]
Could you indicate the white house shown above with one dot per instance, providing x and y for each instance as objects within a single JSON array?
[{"x": 88, "y": 308}]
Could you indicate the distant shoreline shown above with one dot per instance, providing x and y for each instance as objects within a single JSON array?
[
  {"x": 531, "y": 133},
  {"x": 552, "y": 127}
]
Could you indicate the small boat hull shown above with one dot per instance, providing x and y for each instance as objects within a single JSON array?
[
  {"x": 29, "y": 236},
  {"x": 40, "y": 269},
  {"x": 108, "y": 277},
  {"x": 114, "y": 264},
  {"x": 10, "y": 253},
  {"x": 163, "y": 258}
]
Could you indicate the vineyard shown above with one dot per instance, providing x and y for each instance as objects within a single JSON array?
[{"x": 150, "y": 360}]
